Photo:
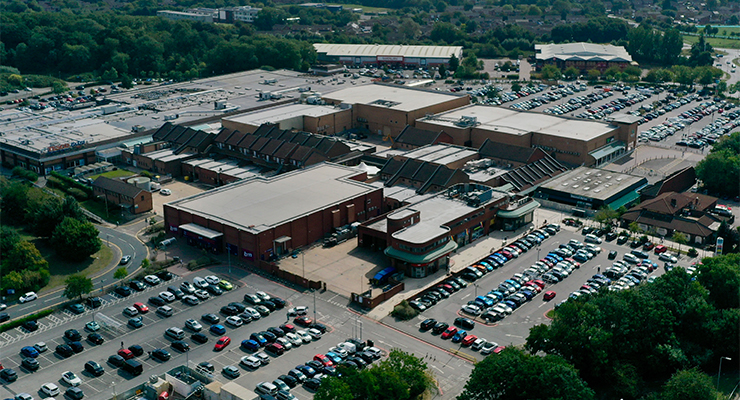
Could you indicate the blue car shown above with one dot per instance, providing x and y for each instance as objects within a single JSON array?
[
  {"x": 218, "y": 329},
  {"x": 459, "y": 336},
  {"x": 514, "y": 283},
  {"x": 250, "y": 345},
  {"x": 259, "y": 339},
  {"x": 555, "y": 256},
  {"x": 488, "y": 265},
  {"x": 580, "y": 257},
  {"x": 335, "y": 358},
  {"x": 511, "y": 304},
  {"x": 306, "y": 370},
  {"x": 485, "y": 301},
  {"x": 29, "y": 351},
  {"x": 496, "y": 294}
]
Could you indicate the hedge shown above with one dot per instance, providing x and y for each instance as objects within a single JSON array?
[
  {"x": 78, "y": 194},
  {"x": 14, "y": 324},
  {"x": 25, "y": 174},
  {"x": 71, "y": 183}
]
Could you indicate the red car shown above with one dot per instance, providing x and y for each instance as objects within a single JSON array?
[
  {"x": 323, "y": 359},
  {"x": 660, "y": 249},
  {"x": 469, "y": 340},
  {"x": 287, "y": 328},
  {"x": 450, "y": 332},
  {"x": 303, "y": 321},
  {"x": 549, "y": 295},
  {"x": 499, "y": 349},
  {"x": 539, "y": 283},
  {"x": 222, "y": 343},
  {"x": 141, "y": 308},
  {"x": 126, "y": 354},
  {"x": 648, "y": 246}
]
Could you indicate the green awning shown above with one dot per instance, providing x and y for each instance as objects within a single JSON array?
[
  {"x": 519, "y": 211},
  {"x": 421, "y": 258},
  {"x": 624, "y": 200},
  {"x": 610, "y": 148}
]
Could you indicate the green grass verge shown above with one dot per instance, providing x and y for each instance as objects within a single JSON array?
[
  {"x": 60, "y": 269},
  {"x": 119, "y": 173},
  {"x": 550, "y": 314},
  {"x": 14, "y": 324},
  {"x": 97, "y": 207},
  {"x": 715, "y": 42}
]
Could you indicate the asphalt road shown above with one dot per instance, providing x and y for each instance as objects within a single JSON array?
[
  {"x": 121, "y": 243},
  {"x": 514, "y": 329},
  {"x": 451, "y": 371}
]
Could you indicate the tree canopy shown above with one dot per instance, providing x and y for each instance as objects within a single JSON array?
[
  {"x": 77, "y": 286},
  {"x": 75, "y": 240},
  {"x": 719, "y": 171}
]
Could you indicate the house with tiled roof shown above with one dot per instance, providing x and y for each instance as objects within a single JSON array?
[{"x": 128, "y": 197}]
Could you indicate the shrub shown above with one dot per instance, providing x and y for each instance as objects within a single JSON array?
[
  {"x": 201, "y": 263},
  {"x": 146, "y": 174},
  {"x": 68, "y": 182},
  {"x": 25, "y": 174},
  {"x": 78, "y": 194},
  {"x": 692, "y": 252},
  {"x": 403, "y": 311}
]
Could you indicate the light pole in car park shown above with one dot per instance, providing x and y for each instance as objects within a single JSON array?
[{"x": 719, "y": 373}]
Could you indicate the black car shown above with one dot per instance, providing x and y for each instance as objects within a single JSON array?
[
  {"x": 94, "y": 368},
  {"x": 635, "y": 244},
  {"x": 94, "y": 302},
  {"x": 279, "y": 303},
  {"x": 622, "y": 240},
  {"x": 316, "y": 365},
  {"x": 95, "y": 338},
  {"x": 137, "y": 285},
  {"x": 214, "y": 290},
  {"x": 122, "y": 291},
  {"x": 161, "y": 355},
  {"x": 136, "y": 350},
  {"x": 73, "y": 335},
  {"x": 611, "y": 236},
  {"x": 4, "y": 317},
  {"x": 269, "y": 304},
  {"x": 276, "y": 331},
  {"x": 76, "y": 308},
  {"x": 180, "y": 345},
  {"x": 199, "y": 338},
  {"x": 229, "y": 310},
  {"x": 157, "y": 301},
  {"x": 321, "y": 327},
  {"x": 77, "y": 347},
  {"x": 269, "y": 336},
  {"x": 116, "y": 360},
  {"x": 64, "y": 350},
  {"x": 428, "y": 324},
  {"x": 612, "y": 255},
  {"x": 440, "y": 327},
  {"x": 8, "y": 375},
  {"x": 240, "y": 307},
  {"x": 175, "y": 292},
  {"x": 165, "y": 275},
  {"x": 31, "y": 326},
  {"x": 464, "y": 323},
  {"x": 31, "y": 364},
  {"x": 210, "y": 318},
  {"x": 74, "y": 393},
  {"x": 289, "y": 380},
  {"x": 312, "y": 384},
  {"x": 359, "y": 361}
]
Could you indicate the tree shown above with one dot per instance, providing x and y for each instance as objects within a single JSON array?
[
  {"x": 120, "y": 273},
  {"x": 634, "y": 228},
  {"x": 721, "y": 277},
  {"x": 731, "y": 238},
  {"x": 442, "y": 71},
  {"x": 511, "y": 375},
  {"x": 593, "y": 75},
  {"x": 401, "y": 376},
  {"x": 679, "y": 238},
  {"x": 571, "y": 72},
  {"x": 551, "y": 72},
  {"x": 24, "y": 256},
  {"x": 606, "y": 216},
  {"x": 75, "y": 240},
  {"x": 409, "y": 29},
  {"x": 77, "y": 286},
  {"x": 689, "y": 385},
  {"x": 719, "y": 172},
  {"x": 454, "y": 63},
  {"x": 9, "y": 237},
  {"x": 13, "y": 203},
  {"x": 515, "y": 87}
]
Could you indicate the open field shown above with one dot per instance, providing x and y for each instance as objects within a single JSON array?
[{"x": 715, "y": 42}]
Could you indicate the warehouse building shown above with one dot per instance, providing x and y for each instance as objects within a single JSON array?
[
  {"x": 387, "y": 109},
  {"x": 325, "y": 120},
  {"x": 391, "y": 55},
  {"x": 569, "y": 140},
  {"x": 262, "y": 218},
  {"x": 583, "y": 56}
]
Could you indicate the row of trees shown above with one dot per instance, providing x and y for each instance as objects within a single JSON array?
[
  {"x": 719, "y": 171},
  {"x": 656, "y": 341}
]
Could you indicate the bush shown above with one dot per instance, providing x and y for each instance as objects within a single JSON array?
[
  {"x": 692, "y": 252},
  {"x": 403, "y": 311},
  {"x": 78, "y": 194},
  {"x": 68, "y": 183},
  {"x": 201, "y": 263},
  {"x": 14, "y": 324},
  {"x": 146, "y": 174},
  {"x": 25, "y": 174}
]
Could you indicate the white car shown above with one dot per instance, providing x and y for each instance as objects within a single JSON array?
[
  {"x": 213, "y": 279},
  {"x": 488, "y": 347},
  {"x": 30, "y": 296},
  {"x": 300, "y": 310},
  {"x": 50, "y": 389},
  {"x": 193, "y": 325},
  {"x": 152, "y": 280},
  {"x": 200, "y": 282},
  {"x": 314, "y": 333},
  {"x": 165, "y": 192},
  {"x": 471, "y": 309},
  {"x": 251, "y": 362},
  {"x": 341, "y": 352},
  {"x": 254, "y": 313},
  {"x": 131, "y": 311},
  {"x": 478, "y": 344},
  {"x": 263, "y": 296},
  {"x": 3, "y": 306},
  {"x": 71, "y": 379},
  {"x": 40, "y": 347},
  {"x": 304, "y": 336},
  {"x": 234, "y": 321},
  {"x": 285, "y": 343},
  {"x": 167, "y": 296},
  {"x": 668, "y": 257},
  {"x": 294, "y": 339},
  {"x": 187, "y": 287}
]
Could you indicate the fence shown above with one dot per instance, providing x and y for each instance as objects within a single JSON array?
[{"x": 372, "y": 302}]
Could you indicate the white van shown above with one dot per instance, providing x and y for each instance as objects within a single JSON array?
[
  {"x": 167, "y": 242},
  {"x": 351, "y": 348}
]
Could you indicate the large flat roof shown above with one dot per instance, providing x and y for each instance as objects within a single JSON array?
[
  {"x": 394, "y": 97},
  {"x": 582, "y": 52},
  {"x": 519, "y": 123},
  {"x": 258, "y": 204},
  {"x": 593, "y": 183},
  {"x": 374, "y": 50},
  {"x": 441, "y": 153},
  {"x": 281, "y": 113}
]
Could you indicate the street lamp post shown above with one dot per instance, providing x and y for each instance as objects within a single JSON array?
[
  {"x": 719, "y": 373},
  {"x": 314, "y": 305}
]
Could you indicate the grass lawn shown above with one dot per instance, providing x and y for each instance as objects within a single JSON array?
[
  {"x": 97, "y": 207},
  {"x": 715, "y": 42},
  {"x": 119, "y": 173},
  {"x": 60, "y": 269}
]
